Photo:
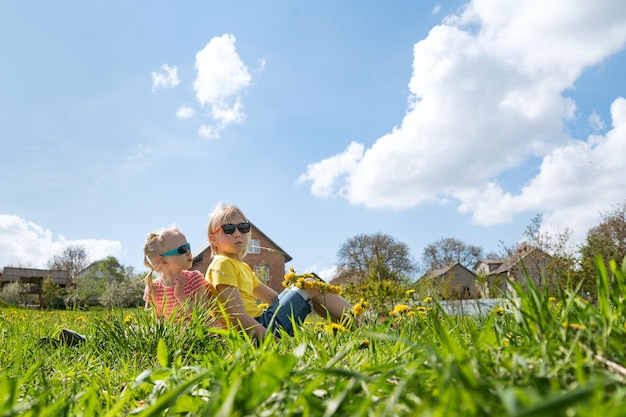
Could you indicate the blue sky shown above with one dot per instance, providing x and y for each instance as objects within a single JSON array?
[{"x": 321, "y": 120}]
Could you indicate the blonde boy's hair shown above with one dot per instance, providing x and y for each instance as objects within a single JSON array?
[{"x": 222, "y": 214}]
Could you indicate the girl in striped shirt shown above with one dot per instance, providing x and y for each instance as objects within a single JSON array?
[{"x": 177, "y": 290}]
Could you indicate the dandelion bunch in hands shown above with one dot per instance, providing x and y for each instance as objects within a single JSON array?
[{"x": 309, "y": 280}]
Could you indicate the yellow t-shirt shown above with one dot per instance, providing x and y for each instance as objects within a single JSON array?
[{"x": 229, "y": 271}]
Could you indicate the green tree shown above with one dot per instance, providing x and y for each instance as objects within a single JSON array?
[
  {"x": 608, "y": 240},
  {"x": 382, "y": 288},
  {"x": 91, "y": 286},
  {"x": 51, "y": 294},
  {"x": 122, "y": 294},
  {"x": 10, "y": 293},
  {"x": 373, "y": 255}
]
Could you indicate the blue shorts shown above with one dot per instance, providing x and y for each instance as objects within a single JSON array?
[{"x": 292, "y": 305}]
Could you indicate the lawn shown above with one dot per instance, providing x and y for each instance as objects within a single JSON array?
[{"x": 546, "y": 355}]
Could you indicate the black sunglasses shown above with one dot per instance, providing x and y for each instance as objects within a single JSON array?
[
  {"x": 229, "y": 228},
  {"x": 181, "y": 250}
]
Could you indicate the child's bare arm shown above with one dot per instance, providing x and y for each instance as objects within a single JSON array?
[
  {"x": 265, "y": 293},
  {"x": 231, "y": 298}
]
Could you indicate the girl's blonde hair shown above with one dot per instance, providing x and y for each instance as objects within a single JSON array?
[
  {"x": 154, "y": 248},
  {"x": 222, "y": 214}
]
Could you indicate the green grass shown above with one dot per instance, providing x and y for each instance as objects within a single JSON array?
[{"x": 545, "y": 356}]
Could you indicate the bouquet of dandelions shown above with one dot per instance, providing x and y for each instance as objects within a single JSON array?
[
  {"x": 312, "y": 280},
  {"x": 309, "y": 280}
]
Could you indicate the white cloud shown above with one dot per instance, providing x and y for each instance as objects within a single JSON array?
[
  {"x": 576, "y": 182},
  {"x": 326, "y": 273},
  {"x": 324, "y": 174},
  {"x": 208, "y": 132},
  {"x": 167, "y": 78},
  {"x": 595, "y": 121},
  {"x": 25, "y": 244},
  {"x": 220, "y": 83},
  {"x": 487, "y": 95},
  {"x": 185, "y": 112}
]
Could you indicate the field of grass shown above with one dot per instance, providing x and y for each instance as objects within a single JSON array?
[{"x": 549, "y": 355}]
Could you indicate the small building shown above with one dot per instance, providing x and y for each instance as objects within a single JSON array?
[
  {"x": 31, "y": 282},
  {"x": 264, "y": 256},
  {"x": 13, "y": 274},
  {"x": 453, "y": 282}
]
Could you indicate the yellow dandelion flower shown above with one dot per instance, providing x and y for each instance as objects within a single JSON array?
[
  {"x": 129, "y": 319},
  {"x": 410, "y": 313},
  {"x": 499, "y": 311},
  {"x": 552, "y": 299},
  {"x": 576, "y": 326},
  {"x": 399, "y": 309},
  {"x": 289, "y": 279},
  {"x": 428, "y": 300},
  {"x": 309, "y": 280},
  {"x": 357, "y": 310},
  {"x": 409, "y": 292},
  {"x": 364, "y": 344},
  {"x": 334, "y": 328}
]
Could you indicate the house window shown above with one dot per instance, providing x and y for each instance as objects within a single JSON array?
[
  {"x": 254, "y": 246},
  {"x": 263, "y": 273}
]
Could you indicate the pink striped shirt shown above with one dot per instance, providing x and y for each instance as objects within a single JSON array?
[{"x": 164, "y": 296}]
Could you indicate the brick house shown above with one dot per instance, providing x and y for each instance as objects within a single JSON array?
[{"x": 265, "y": 257}]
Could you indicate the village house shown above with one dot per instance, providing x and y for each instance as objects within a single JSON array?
[
  {"x": 264, "y": 256},
  {"x": 453, "y": 282},
  {"x": 494, "y": 273}
]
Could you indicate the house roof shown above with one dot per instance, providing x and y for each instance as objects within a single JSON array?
[
  {"x": 442, "y": 271},
  {"x": 13, "y": 274},
  {"x": 200, "y": 252},
  {"x": 489, "y": 261},
  {"x": 509, "y": 263}
]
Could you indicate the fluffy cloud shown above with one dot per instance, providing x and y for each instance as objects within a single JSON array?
[
  {"x": 185, "y": 112},
  {"x": 167, "y": 78},
  {"x": 221, "y": 80},
  {"x": 488, "y": 97},
  {"x": 25, "y": 244}
]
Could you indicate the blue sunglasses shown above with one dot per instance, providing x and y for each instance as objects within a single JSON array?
[{"x": 181, "y": 250}]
